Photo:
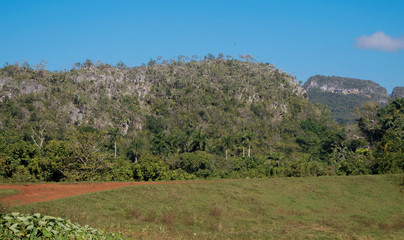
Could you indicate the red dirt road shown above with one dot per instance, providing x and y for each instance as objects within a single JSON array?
[{"x": 32, "y": 193}]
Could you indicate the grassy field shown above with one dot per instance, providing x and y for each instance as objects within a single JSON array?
[
  {"x": 6, "y": 192},
  {"x": 357, "y": 207}
]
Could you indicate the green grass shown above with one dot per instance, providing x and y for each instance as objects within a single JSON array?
[
  {"x": 7, "y": 192},
  {"x": 357, "y": 207}
]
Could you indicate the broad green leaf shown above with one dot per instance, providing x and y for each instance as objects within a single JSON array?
[
  {"x": 15, "y": 214},
  {"x": 46, "y": 233},
  {"x": 14, "y": 228}
]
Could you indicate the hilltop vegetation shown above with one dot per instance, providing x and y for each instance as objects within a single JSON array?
[{"x": 178, "y": 119}]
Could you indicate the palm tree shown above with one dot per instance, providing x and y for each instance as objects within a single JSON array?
[
  {"x": 227, "y": 143},
  {"x": 198, "y": 141},
  {"x": 244, "y": 138},
  {"x": 114, "y": 134},
  {"x": 135, "y": 149},
  {"x": 161, "y": 144}
]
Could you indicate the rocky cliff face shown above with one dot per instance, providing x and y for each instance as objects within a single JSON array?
[
  {"x": 398, "y": 92},
  {"x": 340, "y": 85}
]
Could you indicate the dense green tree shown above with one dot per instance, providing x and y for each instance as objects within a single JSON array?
[
  {"x": 389, "y": 149},
  {"x": 198, "y": 163},
  {"x": 87, "y": 160}
]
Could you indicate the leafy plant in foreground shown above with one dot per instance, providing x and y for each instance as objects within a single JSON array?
[{"x": 26, "y": 226}]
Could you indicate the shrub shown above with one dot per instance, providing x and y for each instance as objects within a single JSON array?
[
  {"x": 26, "y": 226},
  {"x": 198, "y": 163}
]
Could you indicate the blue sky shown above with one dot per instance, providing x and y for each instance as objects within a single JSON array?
[{"x": 360, "y": 39}]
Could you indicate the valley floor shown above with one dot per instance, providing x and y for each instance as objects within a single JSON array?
[{"x": 340, "y": 207}]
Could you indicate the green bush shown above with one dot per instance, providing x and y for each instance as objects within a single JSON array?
[
  {"x": 27, "y": 226},
  {"x": 198, "y": 163}
]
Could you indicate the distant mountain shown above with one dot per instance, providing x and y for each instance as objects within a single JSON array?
[
  {"x": 343, "y": 95},
  {"x": 398, "y": 92}
]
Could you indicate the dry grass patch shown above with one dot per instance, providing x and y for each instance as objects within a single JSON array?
[
  {"x": 215, "y": 212},
  {"x": 168, "y": 218}
]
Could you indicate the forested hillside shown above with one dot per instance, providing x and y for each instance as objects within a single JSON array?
[
  {"x": 177, "y": 119},
  {"x": 343, "y": 95}
]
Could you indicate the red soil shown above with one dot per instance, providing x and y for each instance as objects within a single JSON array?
[{"x": 31, "y": 193}]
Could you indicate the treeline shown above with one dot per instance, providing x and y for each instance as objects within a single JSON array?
[{"x": 216, "y": 117}]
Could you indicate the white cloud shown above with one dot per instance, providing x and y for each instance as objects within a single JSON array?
[{"x": 380, "y": 41}]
